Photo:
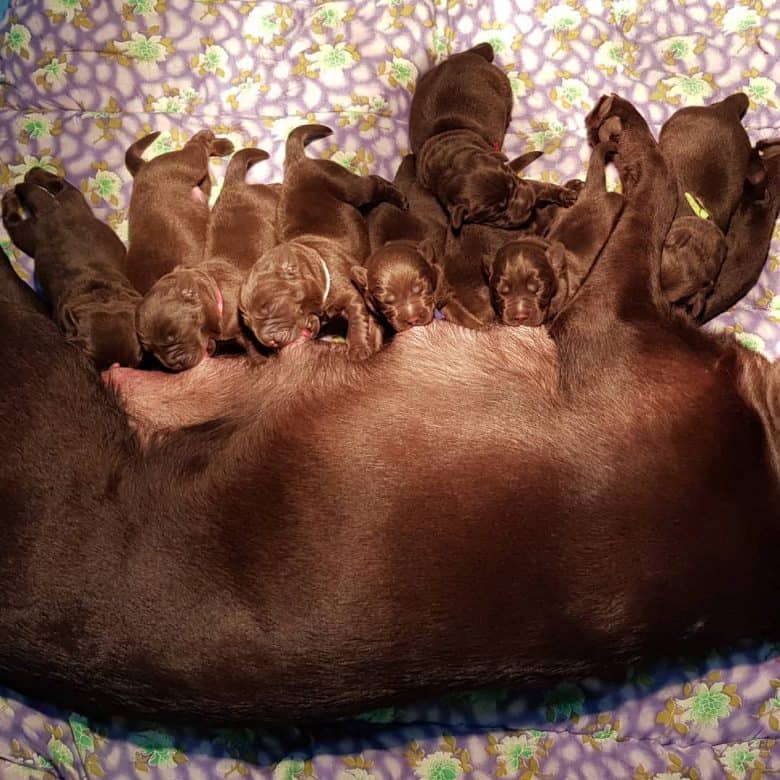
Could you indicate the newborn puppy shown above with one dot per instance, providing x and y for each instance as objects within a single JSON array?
[
  {"x": 169, "y": 213},
  {"x": 306, "y": 278},
  {"x": 527, "y": 280},
  {"x": 401, "y": 280},
  {"x": 79, "y": 263},
  {"x": 749, "y": 234},
  {"x": 402, "y": 283},
  {"x": 458, "y": 118},
  {"x": 710, "y": 154},
  {"x": 190, "y": 310}
]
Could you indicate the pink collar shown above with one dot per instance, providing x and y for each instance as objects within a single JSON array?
[{"x": 497, "y": 146}]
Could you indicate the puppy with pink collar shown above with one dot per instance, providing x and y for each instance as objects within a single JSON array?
[{"x": 192, "y": 309}]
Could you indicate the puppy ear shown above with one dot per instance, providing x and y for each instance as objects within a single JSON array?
[
  {"x": 557, "y": 257},
  {"x": 697, "y": 303},
  {"x": 360, "y": 277},
  {"x": 427, "y": 249},
  {"x": 442, "y": 292},
  {"x": 677, "y": 238},
  {"x": 524, "y": 160},
  {"x": 457, "y": 216}
]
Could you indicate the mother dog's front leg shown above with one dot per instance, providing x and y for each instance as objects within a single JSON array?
[{"x": 599, "y": 325}]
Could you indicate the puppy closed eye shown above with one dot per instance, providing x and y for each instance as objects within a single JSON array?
[
  {"x": 533, "y": 287},
  {"x": 389, "y": 299},
  {"x": 417, "y": 288},
  {"x": 503, "y": 288}
]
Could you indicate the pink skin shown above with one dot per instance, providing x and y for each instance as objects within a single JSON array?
[{"x": 199, "y": 196}]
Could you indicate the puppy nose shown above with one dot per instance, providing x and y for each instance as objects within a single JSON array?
[
  {"x": 519, "y": 318},
  {"x": 415, "y": 320}
]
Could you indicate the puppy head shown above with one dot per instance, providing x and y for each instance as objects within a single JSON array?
[
  {"x": 282, "y": 298},
  {"x": 401, "y": 283},
  {"x": 692, "y": 255},
  {"x": 179, "y": 318},
  {"x": 523, "y": 280},
  {"x": 105, "y": 331},
  {"x": 489, "y": 194}
]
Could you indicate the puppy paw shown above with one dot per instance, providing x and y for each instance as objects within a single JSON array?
[
  {"x": 12, "y": 209},
  {"x": 570, "y": 192},
  {"x": 389, "y": 193}
]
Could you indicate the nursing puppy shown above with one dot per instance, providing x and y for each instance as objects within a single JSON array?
[
  {"x": 169, "y": 213},
  {"x": 79, "y": 263},
  {"x": 190, "y": 310},
  {"x": 531, "y": 278},
  {"x": 401, "y": 280},
  {"x": 710, "y": 154},
  {"x": 306, "y": 278},
  {"x": 749, "y": 234},
  {"x": 458, "y": 118}
]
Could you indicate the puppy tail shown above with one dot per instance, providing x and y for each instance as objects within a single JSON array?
[
  {"x": 240, "y": 163},
  {"x": 299, "y": 139},
  {"x": 133, "y": 159},
  {"x": 736, "y": 104},
  {"x": 484, "y": 50}
]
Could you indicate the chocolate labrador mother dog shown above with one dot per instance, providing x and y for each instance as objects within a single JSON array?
[{"x": 350, "y": 535}]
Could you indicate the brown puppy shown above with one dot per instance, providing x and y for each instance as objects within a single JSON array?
[
  {"x": 710, "y": 153},
  {"x": 458, "y": 118},
  {"x": 190, "y": 310},
  {"x": 79, "y": 263},
  {"x": 306, "y": 278},
  {"x": 401, "y": 280},
  {"x": 531, "y": 278},
  {"x": 169, "y": 212},
  {"x": 749, "y": 235}
]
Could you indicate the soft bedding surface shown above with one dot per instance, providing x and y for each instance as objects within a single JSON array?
[{"x": 84, "y": 78}]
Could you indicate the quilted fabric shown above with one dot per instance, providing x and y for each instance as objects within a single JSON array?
[{"x": 84, "y": 78}]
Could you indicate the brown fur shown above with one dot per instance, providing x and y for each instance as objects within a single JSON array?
[
  {"x": 274, "y": 566},
  {"x": 189, "y": 311},
  {"x": 401, "y": 280},
  {"x": 749, "y": 235},
  {"x": 531, "y": 278},
  {"x": 168, "y": 215},
  {"x": 322, "y": 234},
  {"x": 80, "y": 263},
  {"x": 710, "y": 153},
  {"x": 458, "y": 118}
]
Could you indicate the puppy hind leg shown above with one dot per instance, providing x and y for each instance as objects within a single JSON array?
[{"x": 360, "y": 190}]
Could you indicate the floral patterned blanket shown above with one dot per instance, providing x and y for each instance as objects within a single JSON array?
[{"x": 82, "y": 79}]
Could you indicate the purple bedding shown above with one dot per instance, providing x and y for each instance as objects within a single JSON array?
[{"x": 82, "y": 79}]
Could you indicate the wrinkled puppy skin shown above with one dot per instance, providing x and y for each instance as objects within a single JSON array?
[
  {"x": 169, "y": 213},
  {"x": 458, "y": 118},
  {"x": 749, "y": 234},
  {"x": 79, "y": 263},
  {"x": 710, "y": 154},
  {"x": 306, "y": 279},
  {"x": 190, "y": 311}
]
